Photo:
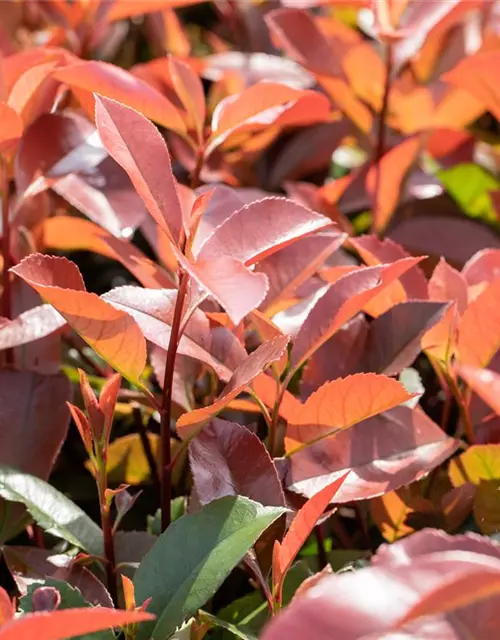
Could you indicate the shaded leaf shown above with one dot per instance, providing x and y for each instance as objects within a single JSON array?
[
  {"x": 340, "y": 404},
  {"x": 11, "y": 128},
  {"x": 104, "y": 328},
  {"x": 228, "y": 459},
  {"x": 183, "y": 570},
  {"x": 51, "y": 509},
  {"x": 383, "y": 454}
]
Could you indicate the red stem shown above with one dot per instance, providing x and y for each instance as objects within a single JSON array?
[
  {"x": 166, "y": 407},
  {"x": 107, "y": 529}
]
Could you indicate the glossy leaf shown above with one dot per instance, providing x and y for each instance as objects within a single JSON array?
[
  {"x": 105, "y": 329},
  {"x": 189, "y": 423},
  {"x": 340, "y": 404},
  {"x": 183, "y": 571},
  {"x": 138, "y": 147},
  {"x": 34, "y": 324},
  {"x": 485, "y": 383},
  {"x": 51, "y": 509},
  {"x": 261, "y": 228},
  {"x": 228, "y": 459}
]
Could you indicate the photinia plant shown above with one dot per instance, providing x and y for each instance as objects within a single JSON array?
[{"x": 249, "y": 319}]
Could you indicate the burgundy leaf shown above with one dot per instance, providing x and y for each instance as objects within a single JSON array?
[{"x": 228, "y": 459}]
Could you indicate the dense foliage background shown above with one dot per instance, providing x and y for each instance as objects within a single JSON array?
[{"x": 250, "y": 319}]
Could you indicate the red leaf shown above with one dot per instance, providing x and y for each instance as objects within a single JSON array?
[
  {"x": 54, "y": 625},
  {"x": 33, "y": 410},
  {"x": 383, "y": 454},
  {"x": 292, "y": 266},
  {"x": 11, "y": 128},
  {"x": 233, "y": 285},
  {"x": 261, "y": 228},
  {"x": 479, "y": 328},
  {"x": 479, "y": 75},
  {"x": 384, "y": 181},
  {"x": 138, "y": 147},
  {"x": 446, "y": 284},
  {"x": 456, "y": 239},
  {"x": 228, "y": 459},
  {"x": 342, "y": 301},
  {"x": 110, "y": 81},
  {"x": 340, "y": 404},
  {"x": 300, "y": 529},
  {"x": 265, "y": 104},
  {"x": 189, "y": 423},
  {"x": 112, "y": 334},
  {"x": 153, "y": 311},
  {"x": 485, "y": 383},
  {"x": 484, "y": 266}
]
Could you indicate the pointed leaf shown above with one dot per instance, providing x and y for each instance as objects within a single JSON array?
[
  {"x": 112, "y": 82},
  {"x": 189, "y": 89},
  {"x": 104, "y": 328},
  {"x": 55, "y": 625},
  {"x": 384, "y": 181},
  {"x": 383, "y": 453},
  {"x": 51, "y": 509},
  {"x": 262, "y": 357},
  {"x": 261, "y": 228},
  {"x": 300, "y": 529},
  {"x": 341, "y": 302},
  {"x": 138, "y": 147},
  {"x": 228, "y": 459},
  {"x": 192, "y": 558},
  {"x": 446, "y": 284},
  {"x": 340, "y": 404}
]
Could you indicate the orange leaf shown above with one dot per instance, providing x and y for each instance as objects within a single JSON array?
[
  {"x": 340, "y": 404},
  {"x": 11, "y": 128},
  {"x": 188, "y": 424},
  {"x": 284, "y": 553},
  {"x": 112, "y": 82},
  {"x": 189, "y": 89},
  {"x": 479, "y": 329},
  {"x": 130, "y": 8},
  {"x": 66, "y": 233},
  {"x": 55, "y": 625},
  {"x": 113, "y": 334},
  {"x": 384, "y": 181}
]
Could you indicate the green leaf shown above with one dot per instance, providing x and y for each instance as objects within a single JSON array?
[
  {"x": 71, "y": 598},
  {"x": 213, "y": 621},
  {"x": 51, "y": 509},
  {"x": 190, "y": 561},
  {"x": 469, "y": 185}
]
